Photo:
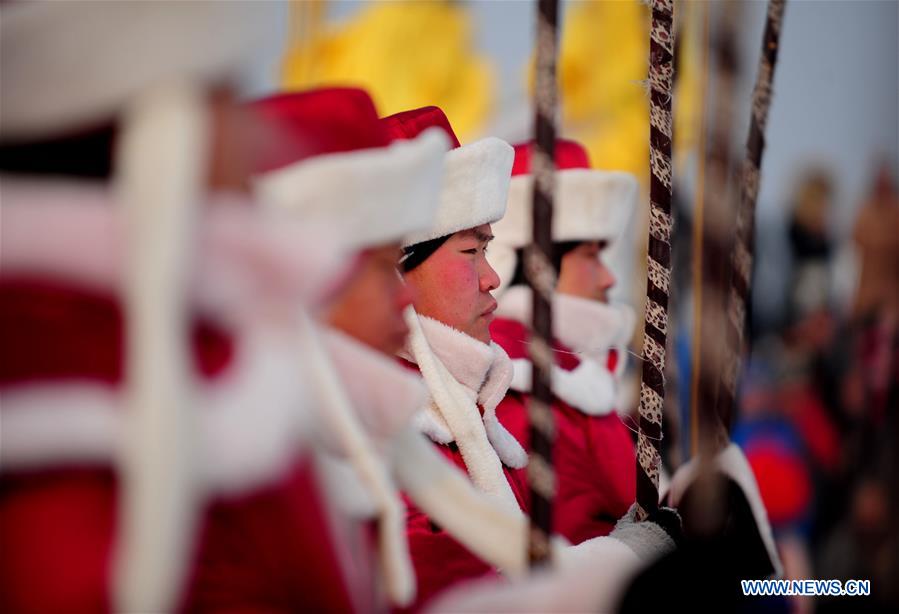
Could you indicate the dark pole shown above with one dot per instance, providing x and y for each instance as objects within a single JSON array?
[
  {"x": 742, "y": 254},
  {"x": 542, "y": 279}
]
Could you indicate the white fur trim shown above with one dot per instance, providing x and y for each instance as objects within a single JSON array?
[
  {"x": 489, "y": 527},
  {"x": 430, "y": 422},
  {"x": 732, "y": 462},
  {"x": 345, "y": 488},
  {"x": 457, "y": 405},
  {"x": 340, "y": 420},
  {"x": 586, "y": 326},
  {"x": 54, "y": 424},
  {"x": 385, "y": 395},
  {"x": 253, "y": 420},
  {"x": 648, "y": 540},
  {"x": 484, "y": 373},
  {"x": 69, "y": 64},
  {"x": 589, "y": 387},
  {"x": 590, "y": 205},
  {"x": 374, "y": 196},
  {"x": 590, "y": 328},
  {"x": 475, "y": 188},
  {"x": 247, "y": 262},
  {"x": 573, "y": 585}
]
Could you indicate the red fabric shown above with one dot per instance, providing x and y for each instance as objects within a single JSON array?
[
  {"x": 440, "y": 561},
  {"x": 56, "y": 531},
  {"x": 569, "y": 154},
  {"x": 593, "y": 456},
  {"x": 409, "y": 124},
  {"x": 54, "y": 330},
  {"x": 317, "y": 122},
  {"x": 784, "y": 483},
  {"x": 612, "y": 360},
  {"x": 267, "y": 551},
  {"x": 817, "y": 428},
  {"x": 514, "y": 337}
]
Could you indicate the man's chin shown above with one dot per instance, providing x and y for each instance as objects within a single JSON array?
[{"x": 481, "y": 329}]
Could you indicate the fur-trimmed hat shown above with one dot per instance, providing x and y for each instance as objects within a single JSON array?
[
  {"x": 590, "y": 204},
  {"x": 476, "y": 179},
  {"x": 338, "y": 164}
]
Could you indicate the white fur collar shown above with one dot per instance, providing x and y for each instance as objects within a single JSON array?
[
  {"x": 345, "y": 431},
  {"x": 589, "y": 387},
  {"x": 453, "y": 413},
  {"x": 587, "y": 327},
  {"x": 591, "y": 329},
  {"x": 385, "y": 395}
]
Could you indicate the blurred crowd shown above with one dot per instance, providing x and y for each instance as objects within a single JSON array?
[{"x": 818, "y": 418}]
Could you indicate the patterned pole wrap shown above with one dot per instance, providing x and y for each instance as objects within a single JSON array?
[
  {"x": 741, "y": 257},
  {"x": 655, "y": 331},
  {"x": 542, "y": 278}
]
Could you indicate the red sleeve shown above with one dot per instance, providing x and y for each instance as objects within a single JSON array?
[
  {"x": 595, "y": 464},
  {"x": 269, "y": 552},
  {"x": 439, "y": 560}
]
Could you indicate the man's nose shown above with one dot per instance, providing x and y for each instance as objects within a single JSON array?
[
  {"x": 488, "y": 278},
  {"x": 608, "y": 278}
]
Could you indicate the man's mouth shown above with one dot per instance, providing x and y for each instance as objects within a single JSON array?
[{"x": 490, "y": 309}]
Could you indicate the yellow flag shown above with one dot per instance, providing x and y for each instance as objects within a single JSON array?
[{"x": 407, "y": 55}]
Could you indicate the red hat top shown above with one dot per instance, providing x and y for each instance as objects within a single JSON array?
[
  {"x": 409, "y": 124},
  {"x": 569, "y": 154},
  {"x": 476, "y": 178},
  {"x": 331, "y": 159},
  {"x": 318, "y": 122}
]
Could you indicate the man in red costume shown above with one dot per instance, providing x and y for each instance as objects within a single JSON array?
[
  {"x": 147, "y": 378},
  {"x": 593, "y": 453},
  {"x": 468, "y": 377}
]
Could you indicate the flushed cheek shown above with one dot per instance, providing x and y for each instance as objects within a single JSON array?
[
  {"x": 459, "y": 283},
  {"x": 460, "y": 278}
]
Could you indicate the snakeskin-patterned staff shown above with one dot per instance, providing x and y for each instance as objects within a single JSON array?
[
  {"x": 655, "y": 331},
  {"x": 741, "y": 257},
  {"x": 542, "y": 279}
]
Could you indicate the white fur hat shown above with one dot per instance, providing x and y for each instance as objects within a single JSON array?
[
  {"x": 70, "y": 64},
  {"x": 340, "y": 166},
  {"x": 476, "y": 180},
  {"x": 589, "y": 205}
]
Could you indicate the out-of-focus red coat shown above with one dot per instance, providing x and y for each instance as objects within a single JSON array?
[{"x": 267, "y": 550}]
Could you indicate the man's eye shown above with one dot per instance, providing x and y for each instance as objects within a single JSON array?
[{"x": 473, "y": 251}]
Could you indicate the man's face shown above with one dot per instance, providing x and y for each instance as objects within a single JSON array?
[
  {"x": 453, "y": 284},
  {"x": 370, "y": 306},
  {"x": 584, "y": 274}
]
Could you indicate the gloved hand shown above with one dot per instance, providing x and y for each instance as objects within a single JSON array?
[{"x": 651, "y": 538}]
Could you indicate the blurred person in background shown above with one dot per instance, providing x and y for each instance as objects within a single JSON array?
[
  {"x": 336, "y": 165},
  {"x": 594, "y": 453},
  {"x": 877, "y": 241},
  {"x": 148, "y": 314}
]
